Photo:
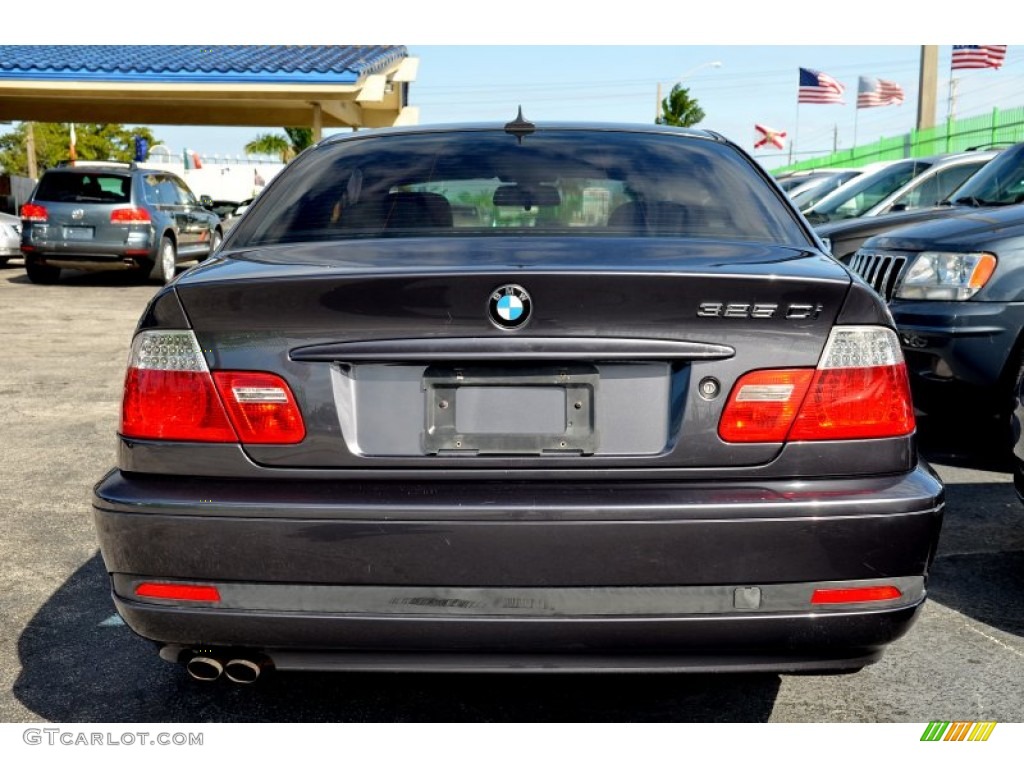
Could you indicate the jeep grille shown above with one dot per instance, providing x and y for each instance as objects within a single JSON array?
[{"x": 880, "y": 270}]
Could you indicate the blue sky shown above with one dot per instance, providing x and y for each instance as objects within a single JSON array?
[
  {"x": 754, "y": 84},
  {"x": 479, "y": 61}
]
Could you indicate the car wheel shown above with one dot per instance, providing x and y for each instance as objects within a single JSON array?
[
  {"x": 3, "y": 260},
  {"x": 166, "y": 262},
  {"x": 1009, "y": 400},
  {"x": 215, "y": 240},
  {"x": 41, "y": 274}
]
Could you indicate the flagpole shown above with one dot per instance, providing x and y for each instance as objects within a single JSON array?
[
  {"x": 796, "y": 131},
  {"x": 856, "y": 114}
]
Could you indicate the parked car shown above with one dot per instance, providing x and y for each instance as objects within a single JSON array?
[
  {"x": 792, "y": 179},
  {"x": 226, "y": 209},
  {"x": 863, "y": 193},
  {"x": 955, "y": 287},
  {"x": 806, "y": 195},
  {"x": 986, "y": 187},
  {"x": 934, "y": 185},
  {"x": 114, "y": 216},
  {"x": 628, "y": 416},
  {"x": 10, "y": 237}
]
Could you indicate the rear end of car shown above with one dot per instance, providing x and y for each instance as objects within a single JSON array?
[
  {"x": 616, "y": 413},
  {"x": 10, "y": 237},
  {"x": 85, "y": 217}
]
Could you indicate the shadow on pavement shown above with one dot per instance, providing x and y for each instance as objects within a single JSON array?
[
  {"x": 74, "y": 278},
  {"x": 979, "y": 571},
  {"x": 980, "y": 443},
  {"x": 78, "y": 668}
]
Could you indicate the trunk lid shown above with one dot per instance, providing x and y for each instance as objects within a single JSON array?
[{"x": 394, "y": 366}]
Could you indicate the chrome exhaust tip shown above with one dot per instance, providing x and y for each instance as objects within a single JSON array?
[
  {"x": 205, "y": 668},
  {"x": 243, "y": 671}
]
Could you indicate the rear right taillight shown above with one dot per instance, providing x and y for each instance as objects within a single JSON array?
[
  {"x": 858, "y": 390},
  {"x": 130, "y": 216},
  {"x": 170, "y": 394},
  {"x": 34, "y": 212}
]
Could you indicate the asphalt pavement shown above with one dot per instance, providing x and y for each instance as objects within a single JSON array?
[{"x": 66, "y": 657}]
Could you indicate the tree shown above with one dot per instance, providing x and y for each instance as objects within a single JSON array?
[
  {"x": 93, "y": 141},
  {"x": 285, "y": 147},
  {"x": 300, "y": 138},
  {"x": 679, "y": 109}
]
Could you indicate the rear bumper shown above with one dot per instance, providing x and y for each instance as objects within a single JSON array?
[
  {"x": 91, "y": 256},
  {"x": 516, "y": 575}
]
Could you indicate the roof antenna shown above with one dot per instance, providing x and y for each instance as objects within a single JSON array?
[{"x": 520, "y": 126}]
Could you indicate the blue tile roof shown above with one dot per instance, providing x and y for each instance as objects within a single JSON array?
[{"x": 251, "y": 64}]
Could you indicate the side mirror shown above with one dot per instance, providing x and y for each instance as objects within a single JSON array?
[{"x": 897, "y": 207}]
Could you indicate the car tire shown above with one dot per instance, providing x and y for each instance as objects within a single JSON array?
[
  {"x": 215, "y": 240},
  {"x": 3, "y": 260},
  {"x": 41, "y": 274},
  {"x": 166, "y": 265}
]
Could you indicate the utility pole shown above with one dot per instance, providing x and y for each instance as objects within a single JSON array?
[
  {"x": 30, "y": 152},
  {"x": 927, "y": 86}
]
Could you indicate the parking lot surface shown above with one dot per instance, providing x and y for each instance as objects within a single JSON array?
[{"x": 65, "y": 656}]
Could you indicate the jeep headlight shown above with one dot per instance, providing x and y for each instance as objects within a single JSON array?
[{"x": 939, "y": 276}]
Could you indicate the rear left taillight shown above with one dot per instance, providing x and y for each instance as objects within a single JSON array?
[
  {"x": 130, "y": 216},
  {"x": 859, "y": 390},
  {"x": 169, "y": 394},
  {"x": 33, "y": 212}
]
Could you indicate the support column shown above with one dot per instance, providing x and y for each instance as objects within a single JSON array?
[
  {"x": 927, "y": 86},
  {"x": 318, "y": 122}
]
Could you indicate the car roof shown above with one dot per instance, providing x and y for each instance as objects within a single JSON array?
[{"x": 541, "y": 126}]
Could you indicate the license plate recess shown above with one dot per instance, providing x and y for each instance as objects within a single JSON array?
[
  {"x": 78, "y": 233},
  {"x": 510, "y": 410}
]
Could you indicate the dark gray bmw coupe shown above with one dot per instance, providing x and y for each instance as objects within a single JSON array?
[{"x": 521, "y": 397}]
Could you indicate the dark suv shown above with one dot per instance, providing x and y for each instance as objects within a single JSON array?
[{"x": 104, "y": 216}]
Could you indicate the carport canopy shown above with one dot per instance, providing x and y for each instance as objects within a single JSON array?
[{"x": 316, "y": 86}]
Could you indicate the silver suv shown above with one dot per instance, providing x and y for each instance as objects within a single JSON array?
[{"x": 112, "y": 216}]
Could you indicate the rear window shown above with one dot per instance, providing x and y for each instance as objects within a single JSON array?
[
  {"x": 479, "y": 183},
  {"x": 58, "y": 187}
]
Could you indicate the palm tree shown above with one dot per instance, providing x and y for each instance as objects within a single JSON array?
[
  {"x": 679, "y": 109},
  {"x": 286, "y": 147},
  {"x": 270, "y": 144}
]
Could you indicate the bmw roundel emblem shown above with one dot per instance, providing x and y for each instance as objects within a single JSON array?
[{"x": 509, "y": 307}]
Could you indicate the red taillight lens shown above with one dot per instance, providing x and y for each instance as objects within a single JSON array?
[
  {"x": 170, "y": 395},
  {"x": 191, "y": 592},
  {"x": 763, "y": 404},
  {"x": 854, "y": 595},
  {"x": 173, "y": 405},
  {"x": 859, "y": 390},
  {"x": 130, "y": 216},
  {"x": 33, "y": 212},
  {"x": 261, "y": 407},
  {"x": 852, "y": 403}
]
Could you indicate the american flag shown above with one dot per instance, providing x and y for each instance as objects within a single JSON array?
[
  {"x": 875, "y": 92},
  {"x": 819, "y": 88},
  {"x": 978, "y": 56}
]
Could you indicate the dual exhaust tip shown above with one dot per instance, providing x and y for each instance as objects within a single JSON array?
[{"x": 243, "y": 670}]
